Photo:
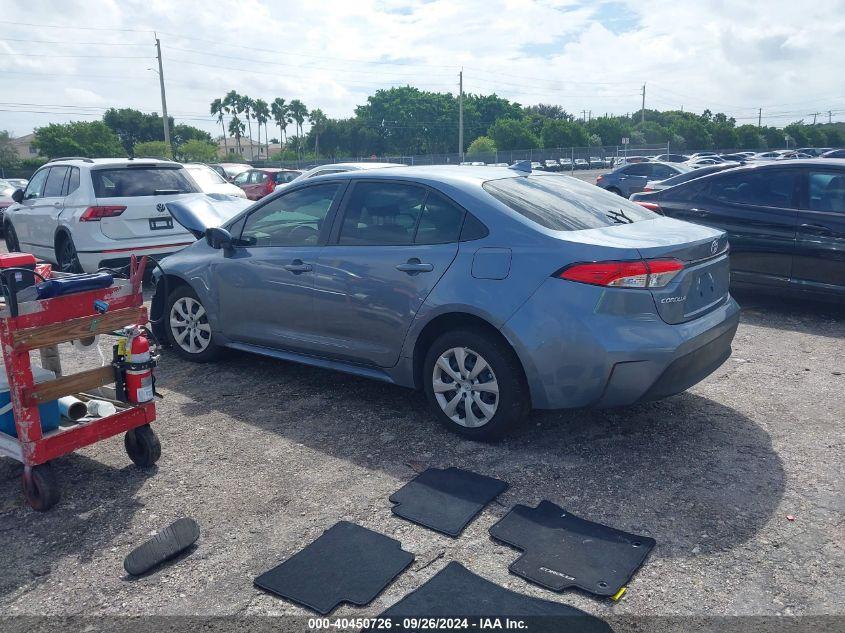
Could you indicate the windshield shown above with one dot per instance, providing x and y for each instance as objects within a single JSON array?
[
  {"x": 133, "y": 182},
  {"x": 562, "y": 203},
  {"x": 205, "y": 176}
]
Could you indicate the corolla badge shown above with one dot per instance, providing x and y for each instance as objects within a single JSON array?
[
  {"x": 160, "y": 207},
  {"x": 672, "y": 299},
  {"x": 714, "y": 247}
]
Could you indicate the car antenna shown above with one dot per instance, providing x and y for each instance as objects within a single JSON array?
[{"x": 522, "y": 165}]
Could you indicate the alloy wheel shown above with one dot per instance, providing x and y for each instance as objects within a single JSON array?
[
  {"x": 189, "y": 325},
  {"x": 465, "y": 387}
]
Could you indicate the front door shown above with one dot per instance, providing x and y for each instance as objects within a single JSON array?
[
  {"x": 820, "y": 244},
  {"x": 266, "y": 284},
  {"x": 389, "y": 249}
]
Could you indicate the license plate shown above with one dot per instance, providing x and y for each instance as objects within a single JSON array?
[{"x": 159, "y": 224}]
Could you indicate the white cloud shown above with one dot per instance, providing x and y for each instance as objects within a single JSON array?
[{"x": 780, "y": 55}]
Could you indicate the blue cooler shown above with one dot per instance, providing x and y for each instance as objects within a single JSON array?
[{"x": 49, "y": 411}]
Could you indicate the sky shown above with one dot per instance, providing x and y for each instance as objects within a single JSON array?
[{"x": 63, "y": 60}]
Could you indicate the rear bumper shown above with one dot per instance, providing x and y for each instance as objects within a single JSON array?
[{"x": 116, "y": 257}]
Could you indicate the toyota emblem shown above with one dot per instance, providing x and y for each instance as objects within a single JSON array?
[
  {"x": 714, "y": 247},
  {"x": 161, "y": 209}
]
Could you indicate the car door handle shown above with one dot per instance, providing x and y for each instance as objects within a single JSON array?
[
  {"x": 57, "y": 204},
  {"x": 298, "y": 266},
  {"x": 414, "y": 266}
]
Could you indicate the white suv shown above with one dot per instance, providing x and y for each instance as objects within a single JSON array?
[{"x": 82, "y": 214}]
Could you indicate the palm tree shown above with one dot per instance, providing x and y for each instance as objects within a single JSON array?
[
  {"x": 279, "y": 109},
  {"x": 262, "y": 115},
  {"x": 298, "y": 112},
  {"x": 236, "y": 129},
  {"x": 318, "y": 125},
  {"x": 217, "y": 110},
  {"x": 232, "y": 105},
  {"x": 247, "y": 106}
]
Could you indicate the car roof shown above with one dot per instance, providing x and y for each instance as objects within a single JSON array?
[
  {"x": 273, "y": 170},
  {"x": 456, "y": 175},
  {"x": 105, "y": 162}
]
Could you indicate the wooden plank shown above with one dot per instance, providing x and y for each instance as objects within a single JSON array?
[
  {"x": 74, "y": 329},
  {"x": 69, "y": 385}
]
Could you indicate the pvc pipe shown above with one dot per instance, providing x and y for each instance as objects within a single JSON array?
[
  {"x": 72, "y": 408},
  {"x": 101, "y": 408}
]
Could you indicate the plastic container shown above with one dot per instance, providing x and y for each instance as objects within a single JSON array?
[{"x": 49, "y": 411}]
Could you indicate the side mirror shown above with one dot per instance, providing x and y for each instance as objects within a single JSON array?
[
  {"x": 219, "y": 238},
  {"x": 17, "y": 195}
]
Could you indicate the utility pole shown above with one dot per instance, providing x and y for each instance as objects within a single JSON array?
[
  {"x": 163, "y": 98},
  {"x": 815, "y": 114},
  {"x": 584, "y": 116},
  {"x": 590, "y": 116},
  {"x": 642, "y": 112},
  {"x": 461, "y": 114},
  {"x": 829, "y": 118},
  {"x": 760, "y": 117}
]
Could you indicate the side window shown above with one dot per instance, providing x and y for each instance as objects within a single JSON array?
[
  {"x": 440, "y": 222},
  {"x": 72, "y": 181},
  {"x": 55, "y": 182},
  {"x": 294, "y": 219},
  {"x": 661, "y": 172},
  {"x": 282, "y": 177},
  {"x": 638, "y": 169},
  {"x": 826, "y": 191},
  {"x": 764, "y": 188},
  {"x": 326, "y": 171},
  {"x": 241, "y": 178},
  {"x": 257, "y": 178},
  {"x": 35, "y": 187},
  {"x": 382, "y": 214}
]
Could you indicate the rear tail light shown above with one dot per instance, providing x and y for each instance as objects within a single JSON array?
[
  {"x": 651, "y": 206},
  {"x": 599, "y": 179},
  {"x": 647, "y": 188},
  {"x": 95, "y": 214},
  {"x": 654, "y": 273}
]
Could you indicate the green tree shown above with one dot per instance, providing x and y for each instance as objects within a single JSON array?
[
  {"x": 749, "y": 137},
  {"x": 512, "y": 134},
  {"x": 298, "y": 113},
  {"x": 182, "y": 133},
  {"x": 609, "y": 129},
  {"x": 798, "y": 132},
  {"x": 232, "y": 106},
  {"x": 197, "y": 151},
  {"x": 152, "y": 149},
  {"x": 237, "y": 129},
  {"x": 652, "y": 132},
  {"x": 262, "y": 116},
  {"x": 318, "y": 125},
  {"x": 548, "y": 111},
  {"x": 216, "y": 109},
  {"x": 694, "y": 132},
  {"x": 482, "y": 145},
  {"x": 8, "y": 154},
  {"x": 93, "y": 139},
  {"x": 724, "y": 136},
  {"x": 133, "y": 126},
  {"x": 563, "y": 133},
  {"x": 247, "y": 105},
  {"x": 279, "y": 110}
]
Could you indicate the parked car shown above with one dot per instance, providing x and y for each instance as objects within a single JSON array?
[
  {"x": 258, "y": 183},
  {"x": 702, "y": 155},
  {"x": 629, "y": 179},
  {"x": 834, "y": 153},
  {"x": 82, "y": 213},
  {"x": 734, "y": 158},
  {"x": 338, "y": 168},
  {"x": 703, "y": 162},
  {"x": 628, "y": 160},
  {"x": 566, "y": 164},
  {"x": 209, "y": 180},
  {"x": 596, "y": 162},
  {"x": 580, "y": 163},
  {"x": 551, "y": 165},
  {"x": 536, "y": 165},
  {"x": 765, "y": 156},
  {"x": 494, "y": 290},
  {"x": 17, "y": 183},
  {"x": 230, "y": 171},
  {"x": 659, "y": 185},
  {"x": 672, "y": 158},
  {"x": 6, "y": 191},
  {"x": 785, "y": 221}
]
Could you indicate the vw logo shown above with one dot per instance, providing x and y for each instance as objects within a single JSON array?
[
  {"x": 161, "y": 209},
  {"x": 714, "y": 247}
]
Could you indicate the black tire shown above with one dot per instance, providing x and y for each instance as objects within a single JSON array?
[
  {"x": 142, "y": 446},
  {"x": 11, "y": 238},
  {"x": 41, "y": 488},
  {"x": 66, "y": 256},
  {"x": 514, "y": 400},
  {"x": 211, "y": 352},
  {"x": 616, "y": 191}
]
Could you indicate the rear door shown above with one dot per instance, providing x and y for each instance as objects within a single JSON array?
[
  {"x": 391, "y": 243},
  {"x": 757, "y": 207},
  {"x": 141, "y": 190},
  {"x": 633, "y": 178},
  {"x": 819, "y": 260}
]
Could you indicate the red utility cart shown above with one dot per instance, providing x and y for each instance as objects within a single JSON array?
[{"x": 42, "y": 325}]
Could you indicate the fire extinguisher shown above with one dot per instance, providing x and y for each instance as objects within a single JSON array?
[{"x": 135, "y": 364}]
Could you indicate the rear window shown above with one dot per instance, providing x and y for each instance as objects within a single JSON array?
[
  {"x": 561, "y": 203},
  {"x": 139, "y": 181},
  {"x": 283, "y": 177}
]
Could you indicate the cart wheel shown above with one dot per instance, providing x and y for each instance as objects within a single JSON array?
[
  {"x": 142, "y": 446},
  {"x": 40, "y": 487}
]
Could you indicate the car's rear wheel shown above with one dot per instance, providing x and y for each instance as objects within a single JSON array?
[
  {"x": 188, "y": 328},
  {"x": 11, "y": 238},
  {"x": 616, "y": 191},
  {"x": 475, "y": 384},
  {"x": 66, "y": 255}
]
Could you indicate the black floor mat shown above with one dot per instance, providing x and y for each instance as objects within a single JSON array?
[
  {"x": 347, "y": 563},
  {"x": 455, "y": 592},
  {"x": 561, "y": 550},
  {"x": 445, "y": 500},
  {"x": 175, "y": 538}
]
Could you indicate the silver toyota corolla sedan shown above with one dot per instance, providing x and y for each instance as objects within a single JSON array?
[{"x": 492, "y": 289}]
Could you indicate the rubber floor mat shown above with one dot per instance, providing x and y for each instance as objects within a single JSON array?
[
  {"x": 445, "y": 500},
  {"x": 456, "y": 592},
  {"x": 175, "y": 538},
  {"x": 347, "y": 563},
  {"x": 561, "y": 550}
]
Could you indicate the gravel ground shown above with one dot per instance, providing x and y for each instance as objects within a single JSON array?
[{"x": 265, "y": 455}]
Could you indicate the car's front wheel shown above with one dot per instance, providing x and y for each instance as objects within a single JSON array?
[
  {"x": 475, "y": 384},
  {"x": 188, "y": 328},
  {"x": 11, "y": 238}
]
